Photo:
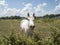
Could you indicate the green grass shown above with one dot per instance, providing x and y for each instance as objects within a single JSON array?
[{"x": 46, "y": 32}]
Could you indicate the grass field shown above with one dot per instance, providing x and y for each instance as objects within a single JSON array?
[{"x": 46, "y": 32}]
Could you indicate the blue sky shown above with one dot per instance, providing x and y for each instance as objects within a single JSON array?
[
  {"x": 19, "y": 3},
  {"x": 22, "y": 7}
]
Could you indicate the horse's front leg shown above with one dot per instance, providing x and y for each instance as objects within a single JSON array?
[{"x": 22, "y": 32}]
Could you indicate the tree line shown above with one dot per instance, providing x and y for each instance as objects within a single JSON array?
[
  {"x": 45, "y": 16},
  {"x": 11, "y": 17},
  {"x": 52, "y": 16}
]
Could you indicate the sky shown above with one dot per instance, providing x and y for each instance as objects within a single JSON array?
[{"x": 22, "y": 7}]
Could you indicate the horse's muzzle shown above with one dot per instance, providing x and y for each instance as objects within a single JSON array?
[{"x": 32, "y": 27}]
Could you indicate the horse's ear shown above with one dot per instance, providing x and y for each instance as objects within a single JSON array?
[
  {"x": 28, "y": 14},
  {"x": 34, "y": 15}
]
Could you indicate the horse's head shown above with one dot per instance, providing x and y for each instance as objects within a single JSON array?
[{"x": 31, "y": 21}]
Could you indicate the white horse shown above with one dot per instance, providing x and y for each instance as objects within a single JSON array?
[{"x": 27, "y": 25}]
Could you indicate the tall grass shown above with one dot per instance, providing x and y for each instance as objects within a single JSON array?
[{"x": 46, "y": 32}]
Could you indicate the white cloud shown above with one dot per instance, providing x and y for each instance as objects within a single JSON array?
[
  {"x": 3, "y": 3},
  {"x": 27, "y": 8},
  {"x": 10, "y": 12},
  {"x": 57, "y": 8},
  {"x": 56, "y": 0},
  {"x": 39, "y": 9},
  {"x": 28, "y": 5}
]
